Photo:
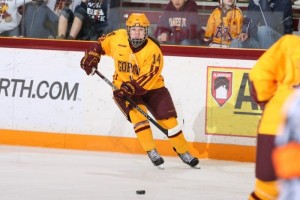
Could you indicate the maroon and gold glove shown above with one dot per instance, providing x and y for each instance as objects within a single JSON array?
[
  {"x": 90, "y": 61},
  {"x": 127, "y": 89}
]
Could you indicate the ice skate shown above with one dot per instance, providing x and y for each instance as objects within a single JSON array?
[
  {"x": 156, "y": 159},
  {"x": 188, "y": 159}
]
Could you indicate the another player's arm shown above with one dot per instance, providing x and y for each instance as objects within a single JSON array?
[{"x": 266, "y": 74}]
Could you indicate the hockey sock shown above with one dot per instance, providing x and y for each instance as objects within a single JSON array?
[
  {"x": 178, "y": 141},
  {"x": 264, "y": 190},
  {"x": 146, "y": 139},
  {"x": 142, "y": 130}
]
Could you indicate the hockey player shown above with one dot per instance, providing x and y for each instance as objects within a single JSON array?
[
  {"x": 138, "y": 65},
  {"x": 274, "y": 77}
]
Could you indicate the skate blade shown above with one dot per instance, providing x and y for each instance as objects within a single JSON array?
[
  {"x": 197, "y": 167},
  {"x": 161, "y": 167}
]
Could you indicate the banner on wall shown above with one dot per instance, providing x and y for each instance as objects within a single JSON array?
[
  {"x": 230, "y": 110},
  {"x": 54, "y": 96}
]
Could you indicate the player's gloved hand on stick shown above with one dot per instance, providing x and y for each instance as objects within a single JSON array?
[
  {"x": 90, "y": 61},
  {"x": 127, "y": 89}
]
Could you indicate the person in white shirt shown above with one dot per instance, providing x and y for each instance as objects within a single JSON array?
[{"x": 10, "y": 18}]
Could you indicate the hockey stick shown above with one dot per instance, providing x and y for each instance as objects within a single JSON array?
[{"x": 167, "y": 132}]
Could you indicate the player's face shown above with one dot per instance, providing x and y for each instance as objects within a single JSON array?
[
  {"x": 137, "y": 32},
  {"x": 178, "y": 3}
]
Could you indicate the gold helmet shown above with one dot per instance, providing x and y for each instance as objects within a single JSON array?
[{"x": 137, "y": 19}]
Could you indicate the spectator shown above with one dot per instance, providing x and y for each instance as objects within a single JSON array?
[
  {"x": 227, "y": 27},
  {"x": 39, "y": 20},
  {"x": 64, "y": 9},
  {"x": 10, "y": 18},
  {"x": 270, "y": 20},
  {"x": 286, "y": 155},
  {"x": 179, "y": 23},
  {"x": 58, "y": 5},
  {"x": 273, "y": 78},
  {"x": 90, "y": 21}
]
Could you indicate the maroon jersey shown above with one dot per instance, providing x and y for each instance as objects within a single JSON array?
[{"x": 179, "y": 24}]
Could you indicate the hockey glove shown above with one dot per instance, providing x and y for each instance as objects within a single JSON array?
[
  {"x": 127, "y": 90},
  {"x": 90, "y": 61}
]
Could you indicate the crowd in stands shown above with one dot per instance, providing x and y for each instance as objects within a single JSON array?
[
  {"x": 258, "y": 26},
  {"x": 61, "y": 19}
]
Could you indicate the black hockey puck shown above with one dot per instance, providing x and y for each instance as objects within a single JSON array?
[{"x": 140, "y": 192}]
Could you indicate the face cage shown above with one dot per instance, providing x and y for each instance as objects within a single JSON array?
[{"x": 137, "y": 42}]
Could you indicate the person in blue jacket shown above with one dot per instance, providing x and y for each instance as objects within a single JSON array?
[
  {"x": 270, "y": 19},
  {"x": 39, "y": 21}
]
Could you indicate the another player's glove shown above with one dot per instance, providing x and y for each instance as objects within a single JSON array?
[
  {"x": 127, "y": 89},
  {"x": 90, "y": 61}
]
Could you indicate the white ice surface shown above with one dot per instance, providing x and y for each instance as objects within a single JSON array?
[{"x": 28, "y": 173}]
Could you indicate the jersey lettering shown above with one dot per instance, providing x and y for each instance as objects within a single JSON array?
[
  {"x": 128, "y": 68},
  {"x": 177, "y": 22},
  {"x": 225, "y": 34},
  {"x": 95, "y": 11},
  {"x": 156, "y": 59}
]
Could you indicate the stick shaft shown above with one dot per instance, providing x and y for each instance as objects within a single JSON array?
[{"x": 165, "y": 131}]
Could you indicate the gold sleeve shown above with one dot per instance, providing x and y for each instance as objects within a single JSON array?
[{"x": 265, "y": 72}]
